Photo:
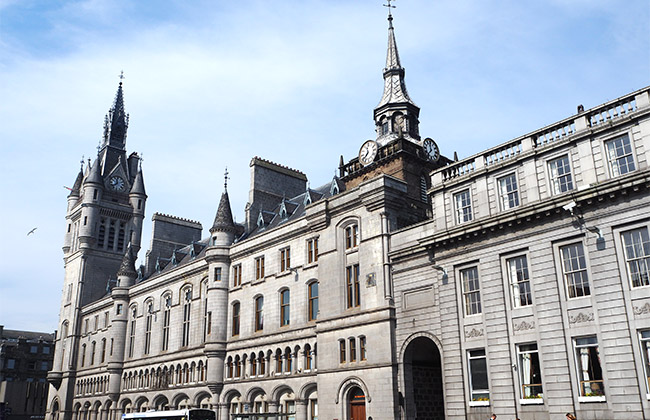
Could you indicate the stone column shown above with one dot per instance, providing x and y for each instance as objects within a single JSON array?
[
  {"x": 273, "y": 408},
  {"x": 223, "y": 411},
  {"x": 301, "y": 409},
  {"x": 300, "y": 360}
]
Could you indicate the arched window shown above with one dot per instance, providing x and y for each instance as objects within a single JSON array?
[
  {"x": 313, "y": 301},
  {"x": 134, "y": 313},
  {"x": 253, "y": 361},
  {"x": 92, "y": 353},
  {"x": 147, "y": 330},
  {"x": 111, "y": 235},
  {"x": 229, "y": 368},
  {"x": 278, "y": 361},
  {"x": 259, "y": 313},
  {"x": 308, "y": 357},
  {"x": 289, "y": 360},
  {"x": 187, "y": 310},
  {"x": 101, "y": 234},
  {"x": 167, "y": 302},
  {"x": 262, "y": 364},
  {"x": 103, "y": 358},
  {"x": 285, "y": 299},
  {"x": 83, "y": 355},
  {"x": 207, "y": 315},
  {"x": 237, "y": 367},
  {"x": 235, "y": 318},
  {"x": 120, "y": 237}
]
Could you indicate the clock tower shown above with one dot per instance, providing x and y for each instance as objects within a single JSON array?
[{"x": 397, "y": 149}]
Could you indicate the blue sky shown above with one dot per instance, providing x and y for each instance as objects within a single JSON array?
[{"x": 211, "y": 84}]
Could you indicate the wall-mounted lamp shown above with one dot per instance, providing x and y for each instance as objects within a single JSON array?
[
  {"x": 294, "y": 271},
  {"x": 445, "y": 276},
  {"x": 580, "y": 221}
]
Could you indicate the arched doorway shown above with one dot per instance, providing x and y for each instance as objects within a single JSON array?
[
  {"x": 423, "y": 393},
  {"x": 357, "y": 404}
]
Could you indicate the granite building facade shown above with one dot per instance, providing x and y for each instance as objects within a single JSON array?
[
  {"x": 25, "y": 359},
  {"x": 409, "y": 286}
]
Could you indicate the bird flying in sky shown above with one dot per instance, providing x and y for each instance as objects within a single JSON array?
[{"x": 31, "y": 231}]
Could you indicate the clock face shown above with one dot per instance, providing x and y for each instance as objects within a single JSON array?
[
  {"x": 431, "y": 149},
  {"x": 117, "y": 183},
  {"x": 368, "y": 152}
]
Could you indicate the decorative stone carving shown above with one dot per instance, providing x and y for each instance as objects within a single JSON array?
[
  {"x": 642, "y": 310},
  {"x": 474, "y": 333},
  {"x": 523, "y": 326},
  {"x": 580, "y": 318}
]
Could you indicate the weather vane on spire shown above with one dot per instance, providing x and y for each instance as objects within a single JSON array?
[
  {"x": 389, "y": 6},
  {"x": 122, "y": 71},
  {"x": 82, "y": 162},
  {"x": 225, "y": 179}
]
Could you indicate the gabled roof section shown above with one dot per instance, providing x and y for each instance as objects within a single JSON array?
[{"x": 295, "y": 208}]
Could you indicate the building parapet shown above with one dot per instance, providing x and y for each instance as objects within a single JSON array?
[{"x": 594, "y": 118}]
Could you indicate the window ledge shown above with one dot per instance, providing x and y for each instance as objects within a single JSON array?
[
  {"x": 283, "y": 273},
  {"x": 592, "y": 399},
  {"x": 479, "y": 403},
  {"x": 531, "y": 401}
]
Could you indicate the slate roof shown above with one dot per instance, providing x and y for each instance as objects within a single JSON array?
[{"x": 294, "y": 206}]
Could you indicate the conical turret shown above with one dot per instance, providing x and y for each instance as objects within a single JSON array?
[
  {"x": 94, "y": 175},
  {"x": 223, "y": 229},
  {"x": 76, "y": 188},
  {"x": 138, "y": 184},
  {"x": 127, "y": 274}
]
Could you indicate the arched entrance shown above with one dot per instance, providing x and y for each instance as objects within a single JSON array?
[
  {"x": 423, "y": 391},
  {"x": 357, "y": 404}
]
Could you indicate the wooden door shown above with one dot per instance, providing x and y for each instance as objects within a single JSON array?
[{"x": 358, "y": 411}]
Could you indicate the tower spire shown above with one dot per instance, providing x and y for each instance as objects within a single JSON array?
[
  {"x": 396, "y": 114},
  {"x": 116, "y": 121}
]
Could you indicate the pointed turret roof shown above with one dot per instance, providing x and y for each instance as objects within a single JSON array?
[
  {"x": 94, "y": 176},
  {"x": 116, "y": 122},
  {"x": 127, "y": 268},
  {"x": 138, "y": 184},
  {"x": 77, "y": 183},
  {"x": 223, "y": 221},
  {"x": 394, "y": 86}
]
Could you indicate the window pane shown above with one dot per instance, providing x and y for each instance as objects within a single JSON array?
[
  {"x": 619, "y": 154},
  {"x": 463, "y": 204},
  {"x": 508, "y": 192},
  {"x": 590, "y": 373},
  {"x": 575, "y": 270},
  {"x": 519, "y": 280},
  {"x": 471, "y": 291},
  {"x": 637, "y": 255},
  {"x": 560, "y": 173}
]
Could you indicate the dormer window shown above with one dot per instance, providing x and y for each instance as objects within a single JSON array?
[
  {"x": 283, "y": 211},
  {"x": 260, "y": 221},
  {"x": 334, "y": 189},
  {"x": 307, "y": 199}
]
